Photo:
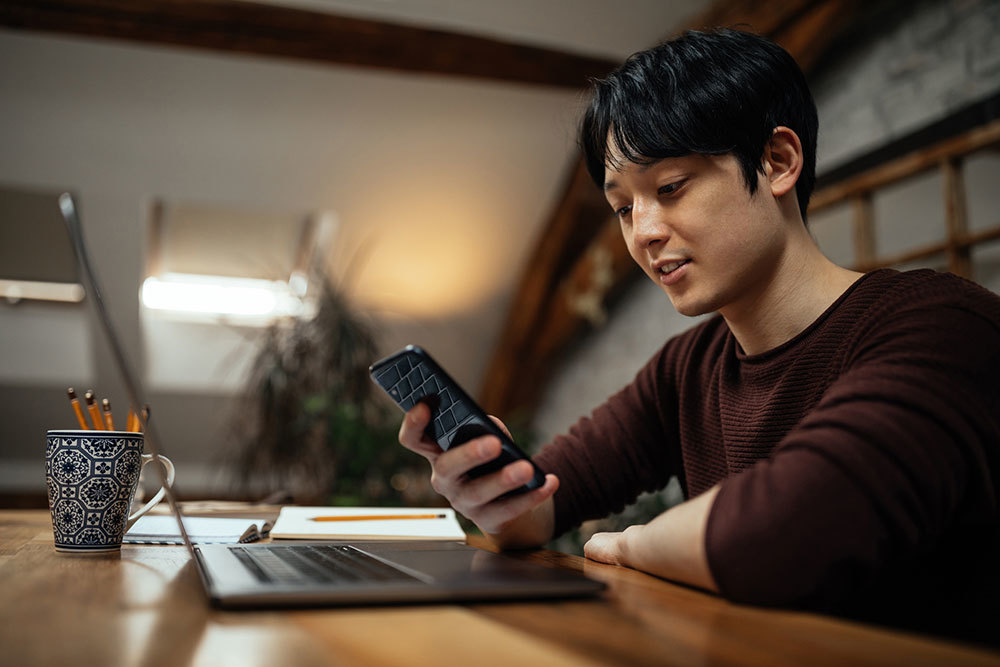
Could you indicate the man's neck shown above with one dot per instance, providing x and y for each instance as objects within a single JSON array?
[{"x": 802, "y": 286}]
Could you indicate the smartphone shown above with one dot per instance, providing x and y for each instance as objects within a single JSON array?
[{"x": 411, "y": 376}]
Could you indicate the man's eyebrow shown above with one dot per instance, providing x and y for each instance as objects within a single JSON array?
[
  {"x": 643, "y": 168},
  {"x": 646, "y": 166}
]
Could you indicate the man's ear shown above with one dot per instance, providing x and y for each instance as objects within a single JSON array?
[{"x": 783, "y": 160}]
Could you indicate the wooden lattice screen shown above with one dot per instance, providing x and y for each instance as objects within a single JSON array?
[{"x": 948, "y": 156}]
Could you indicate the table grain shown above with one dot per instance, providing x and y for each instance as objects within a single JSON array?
[{"x": 145, "y": 606}]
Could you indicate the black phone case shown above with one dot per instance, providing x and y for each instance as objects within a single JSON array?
[{"x": 411, "y": 376}]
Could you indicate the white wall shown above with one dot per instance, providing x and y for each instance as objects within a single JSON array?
[
  {"x": 581, "y": 26},
  {"x": 447, "y": 180},
  {"x": 609, "y": 359}
]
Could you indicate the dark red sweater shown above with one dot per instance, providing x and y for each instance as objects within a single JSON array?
[{"x": 858, "y": 462}]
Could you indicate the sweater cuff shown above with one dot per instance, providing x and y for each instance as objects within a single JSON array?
[{"x": 715, "y": 567}]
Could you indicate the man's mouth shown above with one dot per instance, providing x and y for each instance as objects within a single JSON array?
[{"x": 670, "y": 267}]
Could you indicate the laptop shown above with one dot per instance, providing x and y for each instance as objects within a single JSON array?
[{"x": 335, "y": 573}]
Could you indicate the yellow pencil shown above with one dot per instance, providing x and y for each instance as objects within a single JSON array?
[
  {"x": 132, "y": 423},
  {"x": 109, "y": 422},
  {"x": 95, "y": 412},
  {"x": 75, "y": 402},
  {"x": 377, "y": 517}
]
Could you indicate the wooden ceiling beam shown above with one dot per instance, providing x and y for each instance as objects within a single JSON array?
[{"x": 285, "y": 32}]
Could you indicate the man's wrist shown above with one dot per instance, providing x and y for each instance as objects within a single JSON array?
[{"x": 529, "y": 530}]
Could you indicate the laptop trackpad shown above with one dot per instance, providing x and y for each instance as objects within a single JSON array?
[{"x": 448, "y": 562}]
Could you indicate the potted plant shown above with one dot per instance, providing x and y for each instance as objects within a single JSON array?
[{"x": 312, "y": 422}]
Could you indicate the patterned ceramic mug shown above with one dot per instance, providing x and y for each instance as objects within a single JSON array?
[{"x": 91, "y": 477}]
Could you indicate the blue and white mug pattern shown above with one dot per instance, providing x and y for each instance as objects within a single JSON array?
[{"x": 91, "y": 477}]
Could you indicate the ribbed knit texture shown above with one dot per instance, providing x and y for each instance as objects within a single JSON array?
[{"x": 858, "y": 462}]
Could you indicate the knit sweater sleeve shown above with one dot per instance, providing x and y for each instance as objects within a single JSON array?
[
  {"x": 626, "y": 446},
  {"x": 899, "y": 446}
]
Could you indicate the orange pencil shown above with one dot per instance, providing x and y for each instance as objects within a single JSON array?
[
  {"x": 75, "y": 402},
  {"x": 132, "y": 424},
  {"x": 95, "y": 412},
  {"x": 377, "y": 517},
  {"x": 109, "y": 422}
]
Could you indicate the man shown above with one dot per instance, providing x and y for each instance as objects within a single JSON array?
[{"x": 836, "y": 434}]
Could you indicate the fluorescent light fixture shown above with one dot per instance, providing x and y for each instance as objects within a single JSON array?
[{"x": 237, "y": 298}]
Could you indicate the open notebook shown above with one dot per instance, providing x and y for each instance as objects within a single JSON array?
[
  {"x": 202, "y": 530},
  {"x": 367, "y": 523}
]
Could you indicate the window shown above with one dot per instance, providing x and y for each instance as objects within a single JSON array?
[
  {"x": 36, "y": 257},
  {"x": 215, "y": 276},
  {"x": 45, "y": 333},
  {"x": 212, "y": 263}
]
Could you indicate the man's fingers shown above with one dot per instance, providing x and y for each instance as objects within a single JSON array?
[
  {"x": 502, "y": 426},
  {"x": 412, "y": 436},
  {"x": 604, "y": 547},
  {"x": 496, "y": 515},
  {"x": 479, "y": 492},
  {"x": 475, "y": 498},
  {"x": 459, "y": 460},
  {"x": 449, "y": 469}
]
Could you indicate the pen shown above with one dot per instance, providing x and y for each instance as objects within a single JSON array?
[
  {"x": 109, "y": 422},
  {"x": 75, "y": 402},
  {"x": 377, "y": 517},
  {"x": 95, "y": 412}
]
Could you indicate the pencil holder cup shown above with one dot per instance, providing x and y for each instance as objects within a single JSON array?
[{"x": 91, "y": 477}]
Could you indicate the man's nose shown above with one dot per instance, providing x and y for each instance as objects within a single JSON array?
[{"x": 648, "y": 227}]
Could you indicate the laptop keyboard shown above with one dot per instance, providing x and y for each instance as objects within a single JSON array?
[
  {"x": 409, "y": 382},
  {"x": 320, "y": 563}
]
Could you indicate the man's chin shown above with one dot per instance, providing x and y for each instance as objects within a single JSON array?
[{"x": 690, "y": 307}]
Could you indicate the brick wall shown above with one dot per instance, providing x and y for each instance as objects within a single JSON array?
[{"x": 909, "y": 65}]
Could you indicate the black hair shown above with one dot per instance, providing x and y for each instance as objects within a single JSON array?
[{"x": 716, "y": 92}]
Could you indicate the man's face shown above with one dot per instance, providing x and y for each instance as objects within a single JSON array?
[{"x": 696, "y": 231}]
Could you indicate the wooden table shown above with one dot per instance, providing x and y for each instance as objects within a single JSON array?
[{"x": 146, "y": 607}]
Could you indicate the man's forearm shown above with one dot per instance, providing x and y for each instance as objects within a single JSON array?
[{"x": 671, "y": 546}]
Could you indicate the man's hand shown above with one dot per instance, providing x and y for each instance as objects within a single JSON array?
[
  {"x": 671, "y": 546},
  {"x": 525, "y": 519},
  {"x": 607, "y": 547}
]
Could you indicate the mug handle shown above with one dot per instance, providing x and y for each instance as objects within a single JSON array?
[{"x": 168, "y": 464}]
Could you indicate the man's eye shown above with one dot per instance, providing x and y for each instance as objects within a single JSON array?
[
  {"x": 623, "y": 211},
  {"x": 670, "y": 188}
]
